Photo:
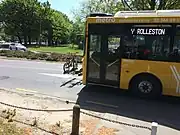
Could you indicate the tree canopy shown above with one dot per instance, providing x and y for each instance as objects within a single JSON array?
[
  {"x": 31, "y": 20},
  {"x": 151, "y": 4},
  {"x": 112, "y": 6}
]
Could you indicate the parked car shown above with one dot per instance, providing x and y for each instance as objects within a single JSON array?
[
  {"x": 4, "y": 46},
  {"x": 12, "y": 46},
  {"x": 17, "y": 46}
]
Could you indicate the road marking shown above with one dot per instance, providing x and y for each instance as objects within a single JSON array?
[
  {"x": 20, "y": 67},
  {"x": 57, "y": 75},
  {"x": 62, "y": 75},
  {"x": 98, "y": 103},
  {"x": 26, "y": 90}
]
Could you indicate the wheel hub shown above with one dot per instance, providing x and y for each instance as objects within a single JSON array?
[{"x": 145, "y": 86}]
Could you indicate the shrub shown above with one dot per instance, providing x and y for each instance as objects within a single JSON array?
[
  {"x": 42, "y": 56},
  {"x": 55, "y": 56},
  {"x": 39, "y": 56},
  {"x": 32, "y": 56},
  {"x": 49, "y": 58},
  {"x": 3, "y": 53}
]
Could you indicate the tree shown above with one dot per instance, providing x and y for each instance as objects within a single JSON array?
[
  {"x": 78, "y": 30},
  {"x": 87, "y": 7},
  {"x": 19, "y": 18},
  {"x": 113, "y": 6},
  {"x": 31, "y": 20},
  {"x": 104, "y": 6},
  {"x": 61, "y": 27},
  {"x": 151, "y": 4}
]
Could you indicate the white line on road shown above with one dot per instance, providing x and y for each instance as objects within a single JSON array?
[
  {"x": 57, "y": 75},
  {"x": 98, "y": 103},
  {"x": 35, "y": 68},
  {"x": 62, "y": 75}
]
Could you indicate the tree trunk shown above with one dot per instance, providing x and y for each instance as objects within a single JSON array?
[
  {"x": 29, "y": 40},
  {"x": 49, "y": 41},
  {"x": 12, "y": 38},
  {"x": 37, "y": 41},
  {"x": 40, "y": 40},
  {"x": 19, "y": 38},
  {"x": 56, "y": 42},
  {"x": 50, "y": 36},
  {"x": 25, "y": 40}
]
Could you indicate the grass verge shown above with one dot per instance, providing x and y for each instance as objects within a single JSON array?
[{"x": 62, "y": 50}]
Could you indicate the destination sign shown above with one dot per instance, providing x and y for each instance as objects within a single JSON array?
[{"x": 148, "y": 31}]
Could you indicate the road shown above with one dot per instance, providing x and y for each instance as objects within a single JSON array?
[
  {"x": 37, "y": 76},
  {"x": 45, "y": 77}
]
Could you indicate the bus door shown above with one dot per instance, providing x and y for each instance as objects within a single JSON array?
[{"x": 104, "y": 60}]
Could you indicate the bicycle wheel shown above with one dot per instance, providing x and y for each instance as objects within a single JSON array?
[
  {"x": 66, "y": 67},
  {"x": 75, "y": 64}
]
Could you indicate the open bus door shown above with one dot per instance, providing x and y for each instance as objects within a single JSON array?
[{"x": 104, "y": 57}]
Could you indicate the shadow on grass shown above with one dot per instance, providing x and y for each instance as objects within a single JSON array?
[{"x": 165, "y": 111}]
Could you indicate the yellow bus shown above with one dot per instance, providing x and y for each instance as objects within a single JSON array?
[{"x": 137, "y": 51}]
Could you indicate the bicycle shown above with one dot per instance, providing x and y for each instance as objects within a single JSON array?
[{"x": 71, "y": 63}]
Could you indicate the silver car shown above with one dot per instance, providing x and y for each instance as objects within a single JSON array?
[{"x": 17, "y": 46}]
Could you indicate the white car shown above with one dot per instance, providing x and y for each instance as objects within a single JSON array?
[
  {"x": 17, "y": 46},
  {"x": 4, "y": 46}
]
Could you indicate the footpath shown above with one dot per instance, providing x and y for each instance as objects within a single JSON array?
[{"x": 29, "y": 112}]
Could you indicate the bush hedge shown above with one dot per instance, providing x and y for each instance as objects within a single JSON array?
[{"x": 39, "y": 56}]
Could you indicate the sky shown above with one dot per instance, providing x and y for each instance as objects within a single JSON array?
[{"x": 64, "y": 6}]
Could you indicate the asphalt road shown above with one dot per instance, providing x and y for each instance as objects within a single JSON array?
[{"x": 37, "y": 76}]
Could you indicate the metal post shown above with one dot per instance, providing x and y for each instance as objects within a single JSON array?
[
  {"x": 75, "y": 120},
  {"x": 154, "y": 128}
]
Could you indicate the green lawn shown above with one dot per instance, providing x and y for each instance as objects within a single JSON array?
[{"x": 62, "y": 50}]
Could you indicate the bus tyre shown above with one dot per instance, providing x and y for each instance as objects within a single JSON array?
[{"x": 146, "y": 86}]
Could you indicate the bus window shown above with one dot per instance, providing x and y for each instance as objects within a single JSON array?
[
  {"x": 175, "y": 54},
  {"x": 112, "y": 60},
  {"x": 139, "y": 40},
  {"x": 148, "y": 44},
  {"x": 177, "y": 38},
  {"x": 113, "y": 44},
  {"x": 160, "y": 46},
  {"x": 128, "y": 46},
  {"x": 94, "y": 56}
]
